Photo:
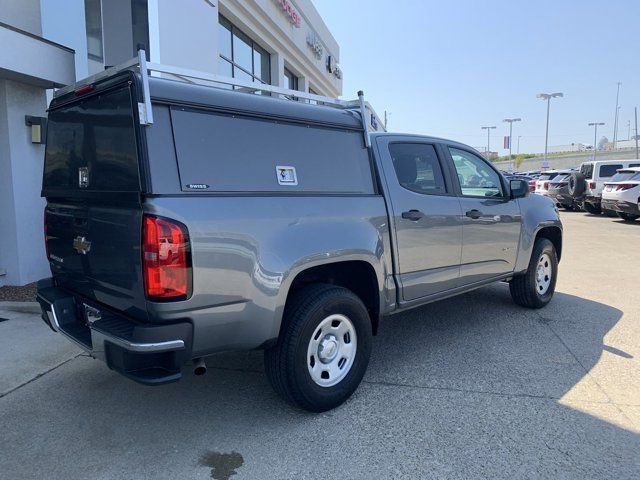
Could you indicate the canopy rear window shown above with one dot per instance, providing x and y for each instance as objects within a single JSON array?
[{"x": 91, "y": 145}]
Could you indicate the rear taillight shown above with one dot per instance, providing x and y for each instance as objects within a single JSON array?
[
  {"x": 625, "y": 186},
  {"x": 532, "y": 185},
  {"x": 592, "y": 185},
  {"x": 545, "y": 185},
  {"x": 166, "y": 259}
]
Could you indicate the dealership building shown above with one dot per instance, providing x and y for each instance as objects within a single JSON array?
[{"x": 283, "y": 43}]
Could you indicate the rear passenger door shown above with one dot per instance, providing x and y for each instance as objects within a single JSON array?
[
  {"x": 426, "y": 214},
  {"x": 491, "y": 220}
]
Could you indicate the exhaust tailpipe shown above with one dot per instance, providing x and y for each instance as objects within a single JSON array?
[{"x": 199, "y": 367}]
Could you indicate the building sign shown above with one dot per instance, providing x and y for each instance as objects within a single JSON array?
[
  {"x": 315, "y": 44},
  {"x": 287, "y": 8}
]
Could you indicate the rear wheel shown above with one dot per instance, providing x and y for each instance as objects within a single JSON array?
[
  {"x": 323, "y": 349},
  {"x": 608, "y": 213},
  {"x": 535, "y": 287},
  {"x": 628, "y": 217}
]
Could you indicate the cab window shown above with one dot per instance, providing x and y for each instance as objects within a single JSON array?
[
  {"x": 418, "y": 168},
  {"x": 476, "y": 177}
]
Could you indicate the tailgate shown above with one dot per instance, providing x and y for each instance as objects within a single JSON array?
[{"x": 92, "y": 183}]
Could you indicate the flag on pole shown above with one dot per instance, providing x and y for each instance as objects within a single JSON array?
[{"x": 506, "y": 142}]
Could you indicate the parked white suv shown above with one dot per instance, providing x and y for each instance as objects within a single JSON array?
[
  {"x": 622, "y": 194},
  {"x": 542, "y": 183},
  {"x": 595, "y": 175}
]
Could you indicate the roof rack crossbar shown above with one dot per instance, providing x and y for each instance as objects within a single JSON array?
[{"x": 195, "y": 76}]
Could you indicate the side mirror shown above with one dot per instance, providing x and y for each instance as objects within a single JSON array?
[{"x": 519, "y": 188}]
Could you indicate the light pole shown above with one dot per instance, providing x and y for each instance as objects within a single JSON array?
[
  {"x": 615, "y": 120},
  {"x": 595, "y": 137},
  {"x": 488, "y": 129},
  {"x": 548, "y": 97},
  {"x": 635, "y": 110},
  {"x": 519, "y": 137},
  {"x": 510, "y": 122}
]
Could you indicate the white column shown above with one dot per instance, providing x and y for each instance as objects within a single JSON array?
[
  {"x": 117, "y": 31},
  {"x": 184, "y": 33},
  {"x": 21, "y": 165},
  {"x": 303, "y": 84},
  {"x": 277, "y": 69}
]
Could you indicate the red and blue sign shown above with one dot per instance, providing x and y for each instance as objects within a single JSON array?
[{"x": 506, "y": 142}]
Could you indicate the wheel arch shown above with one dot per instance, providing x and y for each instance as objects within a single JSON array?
[
  {"x": 358, "y": 276},
  {"x": 554, "y": 235}
]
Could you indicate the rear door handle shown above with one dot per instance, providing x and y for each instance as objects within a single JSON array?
[
  {"x": 475, "y": 214},
  {"x": 414, "y": 215}
]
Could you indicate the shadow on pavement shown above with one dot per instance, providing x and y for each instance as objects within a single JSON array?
[{"x": 467, "y": 388}]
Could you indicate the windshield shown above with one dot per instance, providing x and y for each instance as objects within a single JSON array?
[
  {"x": 549, "y": 176},
  {"x": 587, "y": 170},
  {"x": 624, "y": 176}
]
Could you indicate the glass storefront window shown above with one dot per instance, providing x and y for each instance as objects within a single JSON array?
[
  {"x": 241, "y": 57},
  {"x": 93, "y": 23},
  {"x": 290, "y": 80},
  {"x": 224, "y": 38}
]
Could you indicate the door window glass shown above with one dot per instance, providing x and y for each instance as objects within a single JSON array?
[
  {"x": 417, "y": 168},
  {"x": 477, "y": 179},
  {"x": 609, "y": 170}
]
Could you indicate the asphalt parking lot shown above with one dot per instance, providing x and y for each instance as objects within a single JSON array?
[{"x": 471, "y": 387}]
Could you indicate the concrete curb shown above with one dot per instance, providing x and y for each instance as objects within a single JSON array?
[{"x": 21, "y": 307}]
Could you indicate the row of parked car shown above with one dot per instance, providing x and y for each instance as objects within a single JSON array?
[{"x": 609, "y": 187}]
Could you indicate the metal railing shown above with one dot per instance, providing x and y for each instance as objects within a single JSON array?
[{"x": 213, "y": 80}]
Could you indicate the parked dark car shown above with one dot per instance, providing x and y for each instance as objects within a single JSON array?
[{"x": 559, "y": 191}]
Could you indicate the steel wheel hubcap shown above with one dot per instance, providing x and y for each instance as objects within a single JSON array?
[
  {"x": 332, "y": 350},
  {"x": 544, "y": 272}
]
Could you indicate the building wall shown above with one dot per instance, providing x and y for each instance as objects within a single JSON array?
[
  {"x": 571, "y": 147},
  {"x": 186, "y": 34},
  {"x": 21, "y": 164},
  {"x": 23, "y": 14},
  {"x": 28, "y": 65},
  {"x": 67, "y": 27},
  {"x": 183, "y": 33}
]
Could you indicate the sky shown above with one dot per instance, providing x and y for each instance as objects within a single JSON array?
[{"x": 447, "y": 68}]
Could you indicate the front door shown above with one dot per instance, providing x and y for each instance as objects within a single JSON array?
[
  {"x": 491, "y": 219},
  {"x": 427, "y": 217}
]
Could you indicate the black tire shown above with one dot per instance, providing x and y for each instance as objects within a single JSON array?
[
  {"x": 609, "y": 213},
  {"x": 523, "y": 287},
  {"x": 568, "y": 208},
  {"x": 628, "y": 217},
  {"x": 576, "y": 185},
  {"x": 592, "y": 209},
  {"x": 286, "y": 363}
]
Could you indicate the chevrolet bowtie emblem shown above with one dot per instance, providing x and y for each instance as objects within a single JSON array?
[{"x": 81, "y": 245}]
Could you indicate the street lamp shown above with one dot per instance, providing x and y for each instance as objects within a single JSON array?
[
  {"x": 510, "y": 121},
  {"x": 488, "y": 129},
  {"x": 595, "y": 137},
  {"x": 615, "y": 118},
  {"x": 548, "y": 97}
]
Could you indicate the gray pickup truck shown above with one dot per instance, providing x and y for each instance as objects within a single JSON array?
[{"x": 236, "y": 221}]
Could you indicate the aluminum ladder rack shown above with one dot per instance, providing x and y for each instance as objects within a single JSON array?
[{"x": 194, "y": 76}]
